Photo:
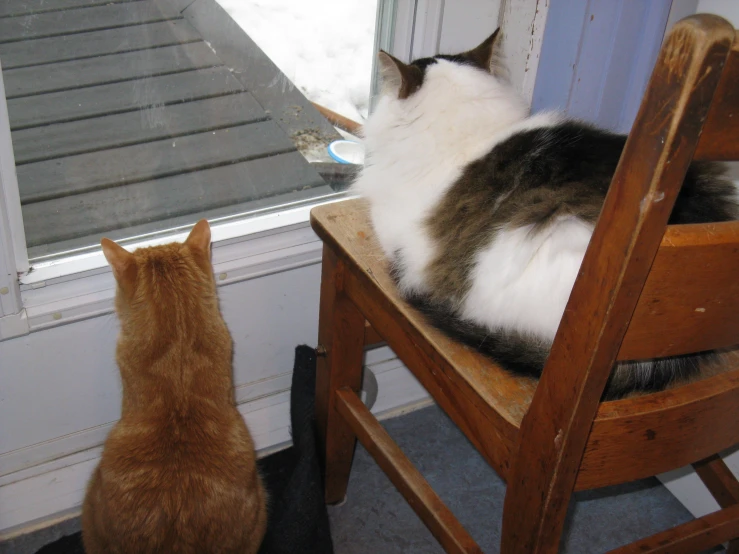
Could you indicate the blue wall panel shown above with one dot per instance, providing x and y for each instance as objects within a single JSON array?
[{"x": 597, "y": 56}]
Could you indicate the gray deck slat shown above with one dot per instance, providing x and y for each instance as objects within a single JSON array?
[
  {"x": 108, "y": 69},
  {"x": 99, "y": 211},
  {"x": 69, "y": 105},
  {"x": 85, "y": 19},
  {"x": 131, "y": 164},
  {"x": 96, "y": 43},
  {"x": 155, "y": 188},
  {"x": 24, "y": 7},
  {"x": 89, "y": 135},
  {"x": 272, "y": 89},
  {"x": 179, "y": 5},
  {"x": 91, "y": 242}
]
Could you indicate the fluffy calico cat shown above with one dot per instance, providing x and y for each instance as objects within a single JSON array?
[
  {"x": 485, "y": 211},
  {"x": 178, "y": 472}
]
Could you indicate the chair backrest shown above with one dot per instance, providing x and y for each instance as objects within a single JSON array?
[
  {"x": 644, "y": 290},
  {"x": 690, "y": 301}
]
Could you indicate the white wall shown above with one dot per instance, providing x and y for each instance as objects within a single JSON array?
[
  {"x": 725, "y": 8},
  {"x": 466, "y": 23},
  {"x": 65, "y": 379}
]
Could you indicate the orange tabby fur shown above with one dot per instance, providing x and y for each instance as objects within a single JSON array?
[{"x": 178, "y": 472}]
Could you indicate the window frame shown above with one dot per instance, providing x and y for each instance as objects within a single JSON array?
[
  {"x": 13, "y": 254},
  {"x": 80, "y": 286}
]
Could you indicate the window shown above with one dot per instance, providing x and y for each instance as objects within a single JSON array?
[
  {"x": 134, "y": 118},
  {"x": 107, "y": 143}
]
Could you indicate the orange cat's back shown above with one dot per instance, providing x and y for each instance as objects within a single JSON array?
[{"x": 178, "y": 471}]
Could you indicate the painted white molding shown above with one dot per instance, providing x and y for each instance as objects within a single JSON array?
[
  {"x": 13, "y": 254},
  {"x": 27, "y": 462},
  {"x": 74, "y": 297},
  {"x": 236, "y": 228},
  {"x": 467, "y": 23},
  {"x": 427, "y": 28},
  {"x": 14, "y": 325},
  {"x": 417, "y": 28},
  {"x": 402, "y": 40},
  {"x": 384, "y": 39},
  {"x": 522, "y": 23},
  {"x": 45, "y": 489}
]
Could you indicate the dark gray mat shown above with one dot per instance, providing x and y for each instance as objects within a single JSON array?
[{"x": 376, "y": 519}]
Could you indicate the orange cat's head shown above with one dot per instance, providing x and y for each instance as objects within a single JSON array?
[{"x": 164, "y": 289}]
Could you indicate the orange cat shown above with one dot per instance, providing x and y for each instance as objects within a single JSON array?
[{"x": 178, "y": 472}]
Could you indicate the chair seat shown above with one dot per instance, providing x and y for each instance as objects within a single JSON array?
[
  {"x": 644, "y": 291},
  {"x": 346, "y": 227},
  {"x": 503, "y": 398}
]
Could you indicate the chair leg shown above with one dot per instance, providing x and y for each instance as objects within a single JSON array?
[
  {"x": 697, "y": 535},
  {"x": 722, "y": 484},
  {"x": 518, "y": 522},
  {"x": 341, "y": 331}
]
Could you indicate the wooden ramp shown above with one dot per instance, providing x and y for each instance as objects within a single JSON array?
[{"x": 135, "y": 116}]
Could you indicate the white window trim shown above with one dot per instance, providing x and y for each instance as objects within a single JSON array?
[
  {"x": 523, "y": 23},
  {"x": 417, "y": 28},
  {"x": 80, "y": 286},
  {"x": 402, "y": 36},
  {"x": 13, "y": 255},
  {"x": 427, "y": 28},
  {"x": 407, "y": 29},
  {"x": 231, "y": 229},
  {"x": 11, "y": 209},
  {"x": 242, "y": 250}
]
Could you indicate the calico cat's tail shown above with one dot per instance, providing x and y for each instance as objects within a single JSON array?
[
  {"x": 526, "y": 355},
  {"x": 518, "y": 353}
]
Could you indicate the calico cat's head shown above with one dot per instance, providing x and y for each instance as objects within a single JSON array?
[
  {"x": 402, "y": 80},
  {"x": 443, "y": 107},
  {"x": 164, "y": 289}
]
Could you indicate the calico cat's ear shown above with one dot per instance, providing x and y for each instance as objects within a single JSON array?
[
  {"x": 199, "y": 237},
  {"x": 121, "y": 261},
  {"x": 487, "y": 56},
  {"x": 398, "y": 79}
]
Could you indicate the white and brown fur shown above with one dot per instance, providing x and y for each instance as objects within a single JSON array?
[{"x": 486, "y": 211}]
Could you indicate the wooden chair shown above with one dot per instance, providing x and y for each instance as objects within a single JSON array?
[{"x": 645, "y": 290}]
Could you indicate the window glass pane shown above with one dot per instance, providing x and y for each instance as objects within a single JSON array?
[
  {"x": 131, "y": 118},
  {"x": 323, "y": 47}
]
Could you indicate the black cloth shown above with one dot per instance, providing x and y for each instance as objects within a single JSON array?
[{"x": 298, "y": 520}]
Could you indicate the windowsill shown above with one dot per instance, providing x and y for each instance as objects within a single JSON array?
[
  {"x": 76, "y": 266},
  {"x": 80, "y": 287}
]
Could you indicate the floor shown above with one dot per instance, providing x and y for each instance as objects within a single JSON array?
[
  {"x": 133, "y": 116},
  {"x": 375, "y": 519}
]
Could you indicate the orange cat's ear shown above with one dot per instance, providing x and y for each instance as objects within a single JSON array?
[
  {"x": 398, "y": 79},
  {"x": 199, "y": 238},
  {"x": 120, "y": 260}
]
